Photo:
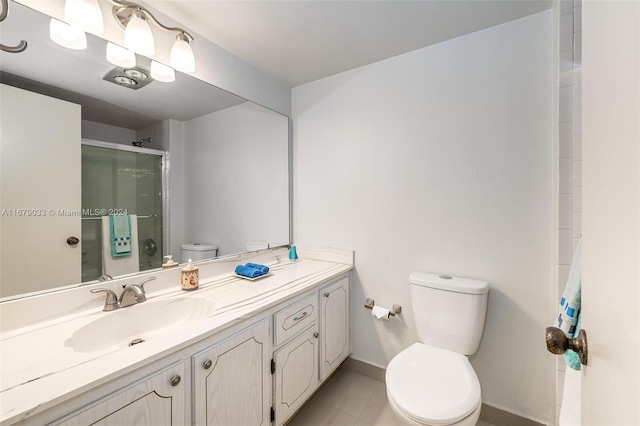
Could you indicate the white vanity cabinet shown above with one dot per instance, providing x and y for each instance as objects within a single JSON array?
[
  {"x": 231, "y": 380},
  {"x": 335, "y": 342},
  {"x": 257, "y": 372},
  {"x": 158, "y": 400}
]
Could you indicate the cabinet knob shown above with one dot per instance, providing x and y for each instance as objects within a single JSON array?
[
  {"x": 175, "y": 380},
  {"x": 326, "y": 294},
  {"x": 72, "y": 241},
  {"x": 316, "y": 334},
  {"x": 207, "y": 364}
]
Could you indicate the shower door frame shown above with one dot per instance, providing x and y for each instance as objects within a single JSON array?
[{"x": 166, "y": 240}]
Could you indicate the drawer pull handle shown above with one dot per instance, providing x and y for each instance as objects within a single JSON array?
[
  {"x": 175, "y": 380},
  {"x": 298, "y": 318},
  {"x": 326, "y": 294},
  {"x": 207, "y": 364},
  {"x": 315, "y": 334}
]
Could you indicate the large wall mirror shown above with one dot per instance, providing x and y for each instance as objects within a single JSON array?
[{"x": 176, "y": 167}]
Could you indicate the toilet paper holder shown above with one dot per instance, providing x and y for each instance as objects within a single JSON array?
[{"x": 395, "y": 309}]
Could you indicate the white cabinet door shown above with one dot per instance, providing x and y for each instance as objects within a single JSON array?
[
  {"x": 39, "y": 192},
  {"x": 157, "y": 401},
  {"x": 296, "y": 373},
  {"x": 335, "y": 344},
  {"x": 232, "y": 380}
]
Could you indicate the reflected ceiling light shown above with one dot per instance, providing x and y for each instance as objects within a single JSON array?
[
  {"x": 138, "y": 36},
  {"x": 161, "y": 72},
  {"x": 182, "y": 57},
  {"x": 120, "y": 56},
  {"x": 84, "y": 14},
  {"x": 67, "y": 36}
]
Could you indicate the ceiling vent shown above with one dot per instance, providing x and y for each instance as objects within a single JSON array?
[{"x": 131, "y": 77}]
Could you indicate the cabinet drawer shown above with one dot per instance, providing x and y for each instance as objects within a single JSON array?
[{"x": 295, "y": 318}]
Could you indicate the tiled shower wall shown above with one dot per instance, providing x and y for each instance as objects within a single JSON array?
[{"x": 570, "y": 150}]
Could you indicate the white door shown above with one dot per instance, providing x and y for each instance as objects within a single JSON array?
[
  {"x": 39, "y": 191},
  {"x": 611, "y": 211}
]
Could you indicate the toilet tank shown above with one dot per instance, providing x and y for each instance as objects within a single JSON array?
[
  {"x": 197, "y": 251},
  {"x": 449, "y": 312}
]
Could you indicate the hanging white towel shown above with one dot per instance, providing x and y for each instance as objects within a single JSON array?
[
  {"x": 571, "y": 395},
  {"x": 124, "y": 264}
]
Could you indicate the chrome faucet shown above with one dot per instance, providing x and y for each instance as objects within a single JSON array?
[{"x": 131, "y": 295}]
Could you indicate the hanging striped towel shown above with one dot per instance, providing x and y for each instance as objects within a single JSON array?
[
  {"x": 569, "y": 313},
  {"x": 120, "y": 227}
]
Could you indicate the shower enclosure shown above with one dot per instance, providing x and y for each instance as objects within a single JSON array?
[{"x": 121, "y": 179}]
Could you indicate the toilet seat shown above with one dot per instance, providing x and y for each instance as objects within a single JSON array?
[{"x": 433, "y": 386}]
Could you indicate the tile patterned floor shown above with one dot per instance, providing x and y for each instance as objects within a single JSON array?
[{"x": 349, "y": 399}]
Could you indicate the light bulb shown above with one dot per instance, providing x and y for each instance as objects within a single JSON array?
[
  {"x": 138, "y": 36},
  {"x": 182, "y": 57},
  {"x": 120, "y": 56},
  {"x": 67, "y": 36},
  {"x": 161, "y": 72},
  {"x": 84, "y": 14}
]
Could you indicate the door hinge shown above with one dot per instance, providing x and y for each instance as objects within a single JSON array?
[
  {"x": 273, "y": 415},
  {"x": 273, "y": 366}
]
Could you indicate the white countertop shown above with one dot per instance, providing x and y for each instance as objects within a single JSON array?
[{"x": 40, "y": 369}]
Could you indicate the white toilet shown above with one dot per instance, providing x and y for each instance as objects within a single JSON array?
[{"x": 432, "y": 382}]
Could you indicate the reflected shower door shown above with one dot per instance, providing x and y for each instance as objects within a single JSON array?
[{"x": 118, "y": 181}]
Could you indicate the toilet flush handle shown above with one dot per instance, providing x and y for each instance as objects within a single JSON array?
[{"x": 558, "y": 343}]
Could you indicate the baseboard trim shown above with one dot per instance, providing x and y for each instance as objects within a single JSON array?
[{"x": 490, "y": 414}]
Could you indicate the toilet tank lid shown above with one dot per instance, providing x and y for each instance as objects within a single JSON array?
[
  {"x": 198, "y": 247},
  {"x": 449, "y": 283}
]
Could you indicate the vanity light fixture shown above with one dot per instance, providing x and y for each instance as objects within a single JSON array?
[
  {"x": 139, "y": 37},
  {"x": 120, "y": 56},
  {"x": 67, "y": 35},
  {"x": 85, "y": 15}
]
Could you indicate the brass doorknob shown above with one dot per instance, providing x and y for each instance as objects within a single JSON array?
[{"x": 558, "y": 343}]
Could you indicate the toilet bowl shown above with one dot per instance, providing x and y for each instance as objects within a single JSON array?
[
  {"x": 432, "y": 381},
  {"x": 432, "y": 386}
]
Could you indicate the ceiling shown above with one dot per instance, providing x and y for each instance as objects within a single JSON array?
[{"x": 298, "y": 41}]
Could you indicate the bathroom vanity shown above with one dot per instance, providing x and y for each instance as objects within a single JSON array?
[{"x": 236, "y": 351}]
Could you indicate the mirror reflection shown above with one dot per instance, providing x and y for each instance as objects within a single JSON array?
[{"x": 100, "y": 179}]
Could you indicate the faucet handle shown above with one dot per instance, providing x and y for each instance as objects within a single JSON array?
[
  {"x": 111, "y": 303},
  {"x": 141, "y": 285}
]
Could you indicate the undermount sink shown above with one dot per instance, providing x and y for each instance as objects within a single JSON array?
[{"x": 139, "y": 323}]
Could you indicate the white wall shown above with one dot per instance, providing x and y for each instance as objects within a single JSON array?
[
  {"x": 441, "y": 160},
  {"x": 235, "y": 178}
]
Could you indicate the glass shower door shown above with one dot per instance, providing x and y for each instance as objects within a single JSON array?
[{"x": 116, "y": 182}]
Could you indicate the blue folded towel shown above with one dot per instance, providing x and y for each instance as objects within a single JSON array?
[
  {"x": 264, "y": 270},
  {"x": 120, "y": 233},
  {"x": 246, "y": 271},
  {"x": 569, "y": 315}
]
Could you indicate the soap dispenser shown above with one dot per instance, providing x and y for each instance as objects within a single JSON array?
[
  {"x": 170, "y": 263},
  {"x": 190, "y": 278}
]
